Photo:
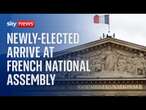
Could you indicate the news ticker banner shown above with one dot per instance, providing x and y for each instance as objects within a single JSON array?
[{"x": 29, "y": 48}]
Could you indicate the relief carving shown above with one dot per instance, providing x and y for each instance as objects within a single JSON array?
[
  {"x": 121, "y": 64},
  {"x": 140, "y": 64},
  {"x": 96, "y": 62},
  {"x": 116, "y": 60},
  {"x": 131, "y": 66},
  {"x": 110, "y": 60}
]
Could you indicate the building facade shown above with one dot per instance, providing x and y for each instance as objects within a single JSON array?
[{"x": 118, "y": 68}]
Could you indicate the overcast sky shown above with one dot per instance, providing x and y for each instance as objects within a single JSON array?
[{"x": 130, "y": 27}]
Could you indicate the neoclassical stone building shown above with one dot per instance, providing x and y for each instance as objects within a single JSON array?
[{"x": 118, "y": 68}]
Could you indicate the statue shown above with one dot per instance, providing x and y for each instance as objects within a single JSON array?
[
  {"x": 121, "y": 64},
  {"x": 130, "y": 65},
  {"x": 110, "y": 60},
  {"x": 97, "y": 64},
  {"x": 145, "y": 66},
  {"x": 139, "y": 64}
]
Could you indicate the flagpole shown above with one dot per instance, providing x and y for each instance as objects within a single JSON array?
[{"x": 109, "y": 26}]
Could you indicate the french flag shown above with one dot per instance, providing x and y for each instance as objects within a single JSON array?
[{"x": 103, "y": 19}]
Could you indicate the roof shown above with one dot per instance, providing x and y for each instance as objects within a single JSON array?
[{"x": 103, "y": 41}]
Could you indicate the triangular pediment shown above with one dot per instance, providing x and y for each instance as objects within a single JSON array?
[
  {"x": 104, "y": 42},
  {"x": 110, "y": 57}
]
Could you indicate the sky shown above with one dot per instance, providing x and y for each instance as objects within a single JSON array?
[{"x": 129, "y": 27}]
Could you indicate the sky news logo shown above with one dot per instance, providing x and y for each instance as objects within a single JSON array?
[{"x": 21, "y": 24}]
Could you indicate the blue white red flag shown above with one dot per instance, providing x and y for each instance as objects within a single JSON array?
[{"x": 103, "y": 19}]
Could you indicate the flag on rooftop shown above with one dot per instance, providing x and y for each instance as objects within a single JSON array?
[{"x": 103, "y": 19}]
